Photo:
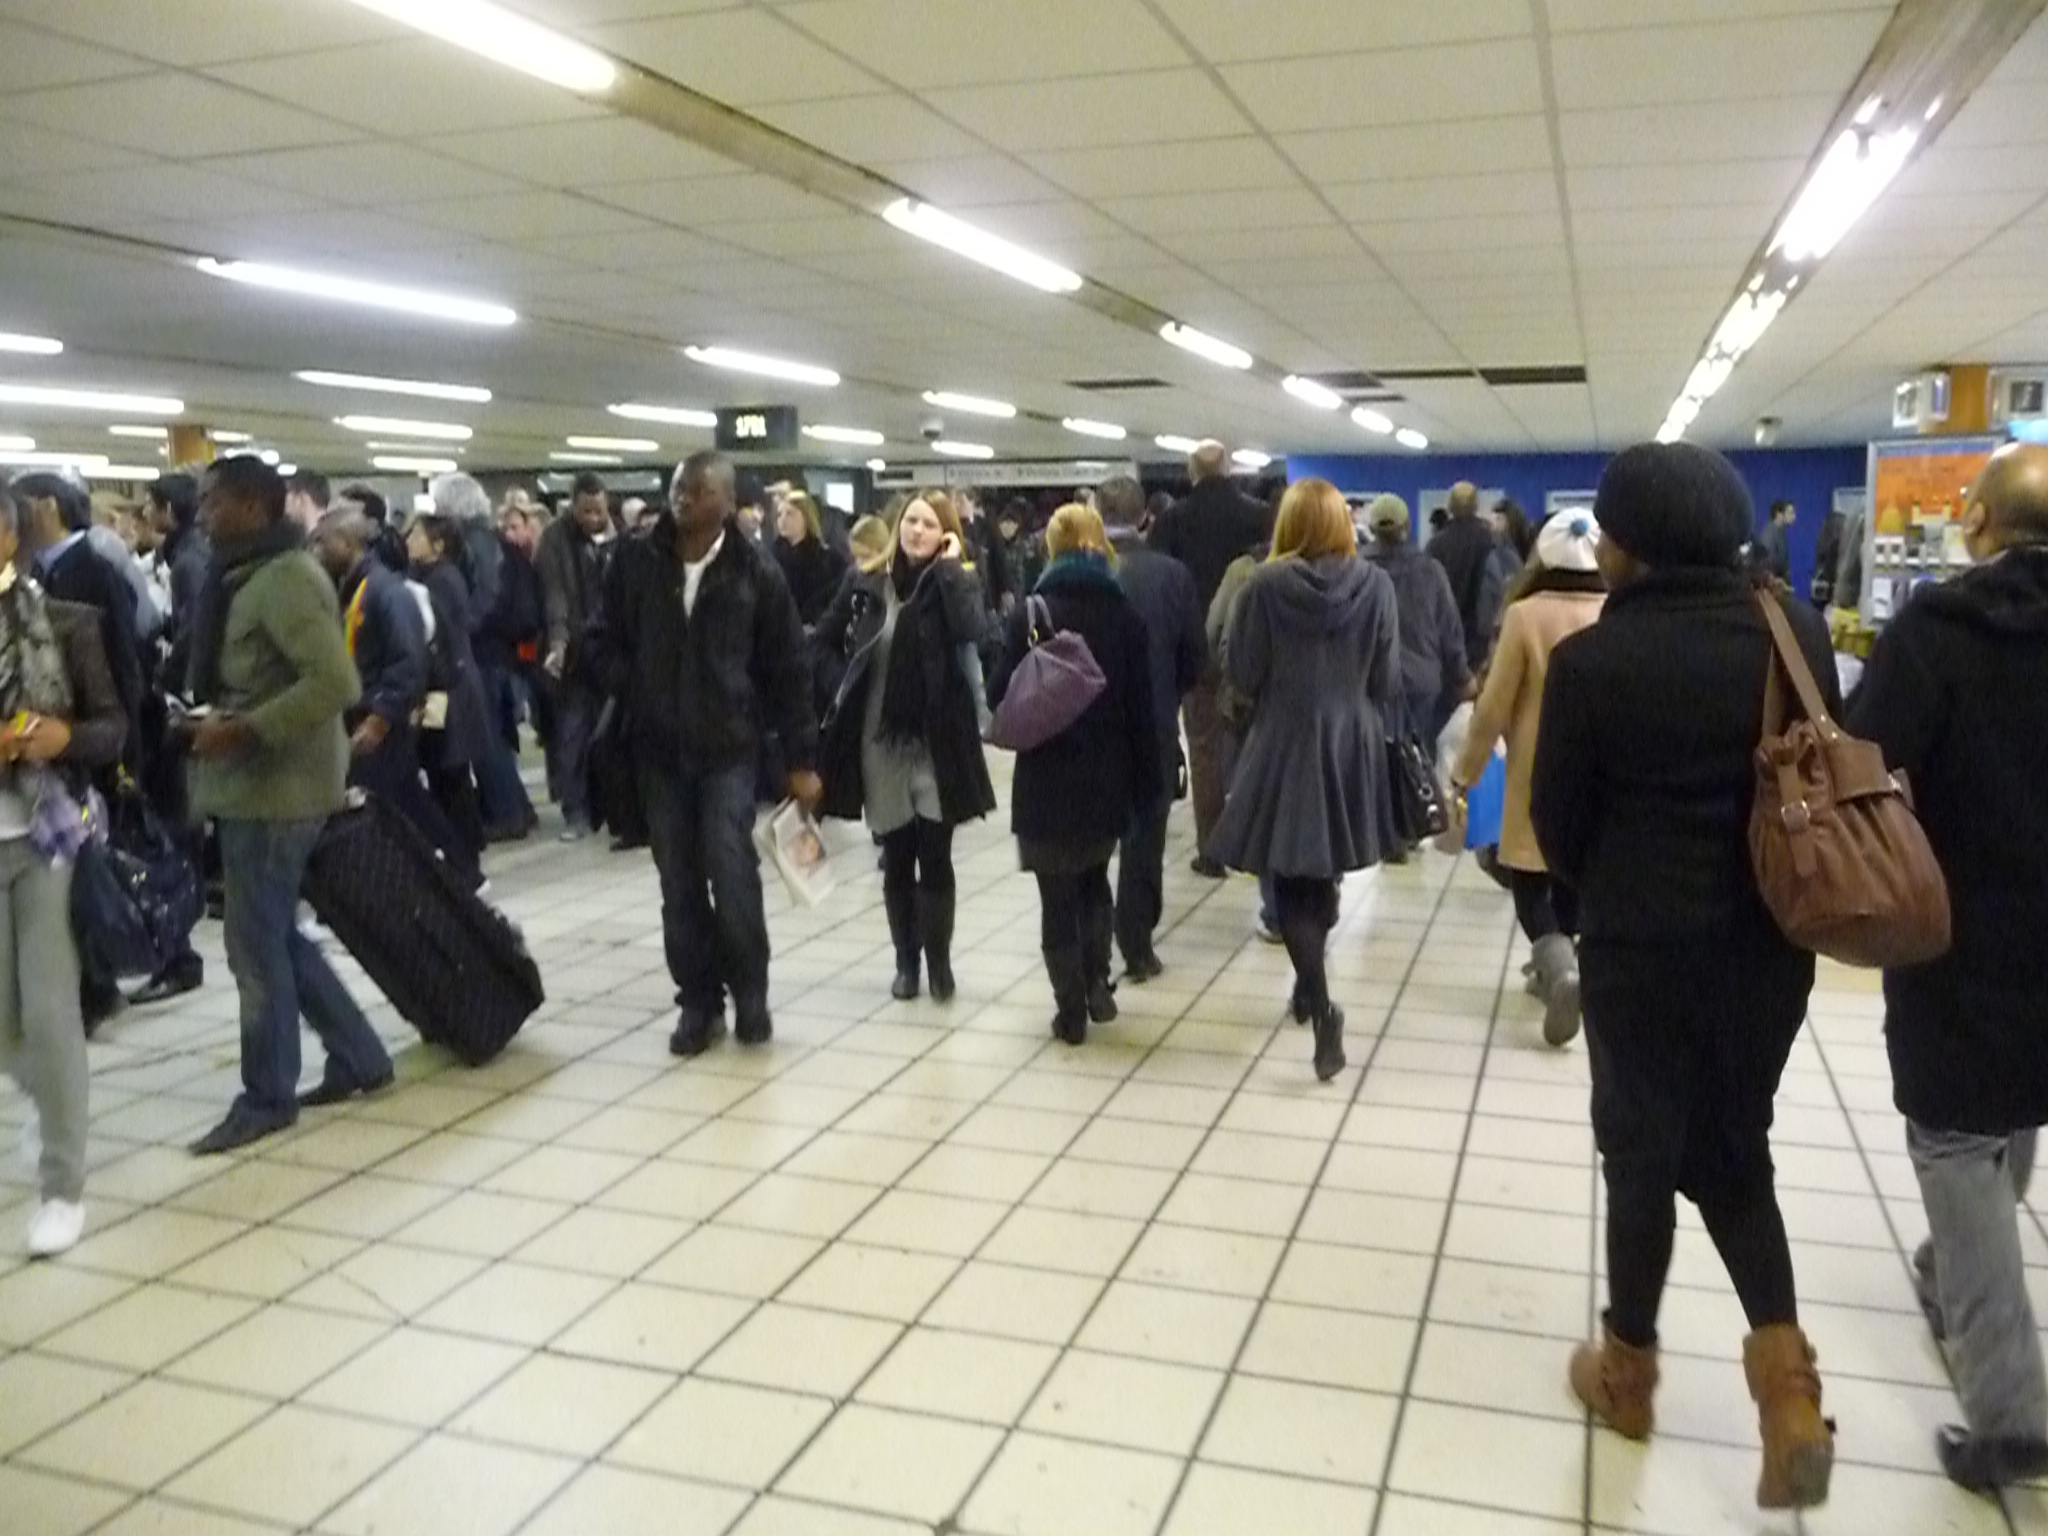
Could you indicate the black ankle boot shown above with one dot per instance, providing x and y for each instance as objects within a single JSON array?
[
  {"x": 935, "y": 920},
  {"x": 1067, "y": 968},
  {"x": 1329, "y": 1058}
]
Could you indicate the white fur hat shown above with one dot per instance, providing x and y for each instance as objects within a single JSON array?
[{"x": 1570, "y": 541}]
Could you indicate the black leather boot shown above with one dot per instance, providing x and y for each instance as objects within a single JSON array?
[
  {"x": 935, "y": 920},
  {"x": 1099, "y": 947},
  {"x": 901, "y": 906},
  {"x": 1068, "y": 970}
]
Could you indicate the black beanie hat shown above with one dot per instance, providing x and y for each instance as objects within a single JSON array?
[{"x": 1675, "y": 504}]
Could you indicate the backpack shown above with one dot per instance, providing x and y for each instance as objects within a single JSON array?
[{"x": 1841, "y": 861}]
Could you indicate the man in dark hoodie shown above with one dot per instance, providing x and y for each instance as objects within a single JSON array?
[
  {"x": 1163, "y": 593},
  {"x": 1955, "y": 695}
]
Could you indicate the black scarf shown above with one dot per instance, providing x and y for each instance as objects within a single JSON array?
[
  {"x": 907, "y": 691},
  {"x": 234, "y": 562}
]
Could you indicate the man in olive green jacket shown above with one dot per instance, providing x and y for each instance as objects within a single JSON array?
[{"x": 271, "y": 673}]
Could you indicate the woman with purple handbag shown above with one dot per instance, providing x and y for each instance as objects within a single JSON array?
[{"x": 1072, "y": 694}]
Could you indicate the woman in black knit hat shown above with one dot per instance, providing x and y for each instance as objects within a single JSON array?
[{"x": 1641, "y": 798}]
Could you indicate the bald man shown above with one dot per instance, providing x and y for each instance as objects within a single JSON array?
[
  {"x": 1205, "y": 533},
  {"x": 1957, "y": 694}
]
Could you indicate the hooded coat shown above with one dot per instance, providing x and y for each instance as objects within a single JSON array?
[
  {"x": 1957, "y": 695},
  {"x": 1315, "y": 645}
]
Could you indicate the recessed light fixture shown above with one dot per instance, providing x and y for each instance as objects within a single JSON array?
[
  {"x": 120, "y": 471},
  {"x": 426, "y": 389},
  {"x": 229, "y": 438},
  {"x": 733, "y": 359},
  {"x": 1856, "y": 168},
  {"x": 587, "y": 458},
  {"x": 1372, "y": 420},
  {"x": 954, "y": 450},
  {"x": 992, "y": 251},
  {"x": 876, "y": 466},
  {"x": 287, "y": 470},
  {"x": 404, "y": 465},
  {"x": 37, "y": 346},
  {"x": 1203, "y": 345},
  {"x": 1251, "y": 458},
  {"x": 858, "y": 437},
  {"x": 671, "y": 415},
  {"x": 507, "y": 38},
  {"x": 156, "y": 434},
  {"x": 91, "y": 400},
  {"x": 430, "y": 449},
  {"x": 10, "y": 443},
  {"x": 1309, "y": 392},
  {"x": 973, "y": 405},
  {"x": 1408, "y": 437},
  {"x": 29, "y": 458},
  {"x": 1087, "y": 428},
  {"x": 615, "y": 444},
  {"x": 350, "y": 290},
  {"x": 395, "y": 426},
  {"x": 1174, "y": 444}
]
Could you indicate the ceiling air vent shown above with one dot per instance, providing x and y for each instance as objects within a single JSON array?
[
  {"x": 1562, "y": 373},
  {"x": 1116, "y": 386},
  {"x": 1424, "y": 375}
]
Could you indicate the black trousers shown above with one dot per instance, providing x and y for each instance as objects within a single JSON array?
[
  {"x": 1141, "y": 880},
  {"x": 1543, "y": 906},
  {"x": 454, "y": 790},
  {"x": 392, "y": 774},
  {"x": 1069, "y": 904},
  {"x": 1306, "y": 911},
  {"x": 1687, "y": 1041},
  {"x": 918, "y": 856}
]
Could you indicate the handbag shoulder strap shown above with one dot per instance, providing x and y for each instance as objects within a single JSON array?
[
  {"x": 1040, "y": 619},
  {"x": 1791, "y": 662}
]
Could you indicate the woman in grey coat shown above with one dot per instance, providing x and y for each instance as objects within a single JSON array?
[{"x": 1315, "y": 646}]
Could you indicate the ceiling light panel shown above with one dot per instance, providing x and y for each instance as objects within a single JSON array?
[
  {"x": 737, "y": 361},
  {"x": 401, "y": 464},
  {"x": 615, "y": 444},
  {"x": 1372, "y": 420},
  {"x": 1103, "y": 429},
  {"x": 11, "y": 443},
  {"x": 35, "y": 346},
  {"x": 349, "y": 290},
  {"x": 158, "y": 434},
  {"x": 587, "y": 458},
  {"x": 670, "y": 415},
  {"x": 29, "y": 458},
  {"x": 958, "y": 450},
  {"x": 963, "y": 239},
  {"x": 1173, "y": 444},
  {"x": 425, "y": 389},
  {"x": 1309, "y": 392},
  {"x": 973, "y": 405},
  {"x": 90, "y": 400},
  {"x": 1251, "y": 458},
  {"x": 1203, "y": 345},
  {"x": 859, "y": 437},
  {"x": 507, "y": 38},
  {"x": 396, "y": 426}
]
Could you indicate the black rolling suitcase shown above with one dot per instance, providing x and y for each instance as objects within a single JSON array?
[{"x": 458, "y": 972}]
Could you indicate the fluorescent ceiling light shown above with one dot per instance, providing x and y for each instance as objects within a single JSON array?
[
  {"x": 157, "y": 434},
  {"x": 349, "y": 290},
  {"x": 395, "y": 426},
  {"x": 973, "y": 405},
  {"x": 505, "y": 38},
  {"x": 615, "y": 444},
  {"x": 1746, "y": 321},
  {"x": 1670, "y": 432},
  {"x": 1856, "y": 168},
  {"x": 1174, "y": 444},
  {"x": 91, "y": 400},
  {"x": 963, "y": 450},
  {"x": 287, "y": 470},
  {"x": 1408, "y": 437},
  {"x": 586, "y": 458},
  {"x": 425, "y": 388},
  {"x": 876, "y": 466},
  {"x": 271, "y": 457},
  {"x": 120, "y": 471},
  {"x": 28, "y": 458},
  {"x": 768, "y": 367},
  {"x": 992, "y": 251},
  {"x": 1251, "y": 458},
  {"x": 1202, "y": 344},
  {"x": 39, "y": 346},
  {"x": 9, "y": 443},
  {"x": 426, "y": 448},
  {"x": 229, "y": 437},
  {"x": 1372, "y": 420},
  {"x": 672, "y": 415},
  {"x": 1321, "y": 396},
  {"x": 1087, "y": 428},
  {"x": 859, "y": 437},
  {"x": 404, "y": 465}
]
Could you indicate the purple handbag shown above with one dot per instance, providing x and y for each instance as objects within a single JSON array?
[{"x": 1054, "y": 685}]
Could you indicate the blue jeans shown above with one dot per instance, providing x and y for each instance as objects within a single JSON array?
[
  {"x": 714, "y": 926},
  {"x": 279, "y": 974},
  {"x": 498, "y": 785}
]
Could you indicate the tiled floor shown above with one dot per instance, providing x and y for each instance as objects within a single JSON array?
[{"x": 917, "y": 1269}]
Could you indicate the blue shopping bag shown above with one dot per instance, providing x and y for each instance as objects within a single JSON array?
[{"x": 1484, "y": 804}]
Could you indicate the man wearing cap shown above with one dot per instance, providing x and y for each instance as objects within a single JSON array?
[{"x": 1434, "y": 667}]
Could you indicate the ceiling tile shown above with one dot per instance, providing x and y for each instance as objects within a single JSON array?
[
  {"x": 410, "y": 85},
  {"x": 1726, "y": 183},
  {"x": 866, "y": 129},
  {"x": 364, "y": 175},
  {"x": 1771, "y": 128},
  {"x": 32, "y": 60},
  {"x": 972, "y": 181},
  {"x": 1467, "y": 146},
  {"x": 177, "y": 116},
  {"x": 1273, "y": 208},
  {"x": 702, "y": 202},
  {"x": 1582, "y": 15},
  {"x": 1233, "y": 242},
  {"x": 527, "y": 215},
  {"x": 1201, "y": 165},
  {"x": 32, "y": 152},
  {"x": 1408, "y": 85},
  {"x": 1498, "y": 194},
  {"x": 745, "y": 58},
  {"x": 189, "y": 33},
  {"x": 1726, "y": 61},
  {"x": 591, "y": 152},
  {"x": 1528, "y": 231},
  {"x": 1231, "y": 31},
  {"x": 1153, "y": 108},
  {"x": 926, "y": 44}
]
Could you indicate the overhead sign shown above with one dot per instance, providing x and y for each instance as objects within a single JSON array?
[{"x": 757, "y": 428}]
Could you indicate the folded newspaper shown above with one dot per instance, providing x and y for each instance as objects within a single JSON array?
[{"x": 792, "y": 841}]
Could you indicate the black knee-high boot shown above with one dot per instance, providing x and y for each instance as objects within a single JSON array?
[{"x": 935, "y": 921}]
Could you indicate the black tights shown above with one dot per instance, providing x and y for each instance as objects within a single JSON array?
[
  {"x": 918, "y": 856},
  {"x": 1748, "y": 1231},
  {"x": 1070, "y": 905},
  {"x": 1543, "y": 905},
  {"x": 1307, "y": 910}
]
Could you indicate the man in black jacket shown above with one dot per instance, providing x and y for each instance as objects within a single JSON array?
[
  {"x": 1465, "y": 549},
  {"x": 571, "y": 557},
  {"x": 1162, "y": 591},
  {"x": 701, "y": 640},
  {"x": 1205, "y": 533},
  {"x": 1954, "y": 693}
]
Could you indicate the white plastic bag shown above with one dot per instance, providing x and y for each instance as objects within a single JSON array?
[{"x": 794, "y": 844}]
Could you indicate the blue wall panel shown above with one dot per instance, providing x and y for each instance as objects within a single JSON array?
[{"x": 1808, "y": 477}]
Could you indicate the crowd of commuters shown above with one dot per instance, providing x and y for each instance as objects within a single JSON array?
[{"x": 731, "y": 645}]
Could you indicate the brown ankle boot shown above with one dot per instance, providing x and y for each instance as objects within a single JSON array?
[
  {"x": 1799, "y": 1445},
  {"x": 1617, "y": 1381}
]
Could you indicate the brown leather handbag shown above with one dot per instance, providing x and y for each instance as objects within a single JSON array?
[{"x": 1841, "y": 860}]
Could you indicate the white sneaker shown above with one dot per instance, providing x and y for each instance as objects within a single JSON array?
[{"x": 55, "y": 1228}]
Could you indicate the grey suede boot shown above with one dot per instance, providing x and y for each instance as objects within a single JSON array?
[{"x": 1557, "y": 970}]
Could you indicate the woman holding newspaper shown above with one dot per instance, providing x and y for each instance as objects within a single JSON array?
[{"x": 902, "y": 742}]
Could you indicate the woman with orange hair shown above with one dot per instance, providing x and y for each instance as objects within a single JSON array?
[{"x": 1314, "y": 644}]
